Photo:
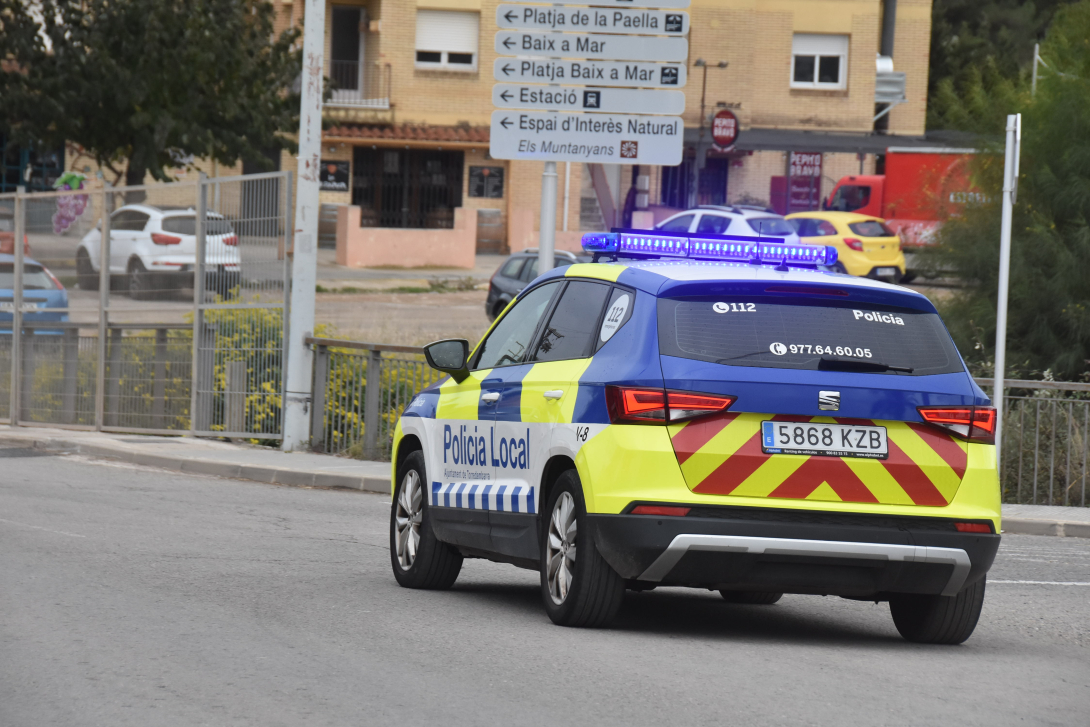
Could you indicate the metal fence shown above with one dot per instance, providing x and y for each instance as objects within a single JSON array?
[
  {"x": 101, "y": 307},
  {"x": 360, "y": 390},
  {"x": 1046, "y": 442}
]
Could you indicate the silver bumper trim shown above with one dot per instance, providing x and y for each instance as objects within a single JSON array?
[{"x": 682, "y": 544}]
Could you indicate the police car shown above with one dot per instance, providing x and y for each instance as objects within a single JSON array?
[{"x": 720, "y": 412}]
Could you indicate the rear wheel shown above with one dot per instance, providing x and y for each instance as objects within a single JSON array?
[
  {"x": 419, "y": 559},
  {"x": 85, "y": 272},
  {"x": 578, "y": 586},
  {"x": 751, "y": 597},
  {"x": 938, "y": 619}
]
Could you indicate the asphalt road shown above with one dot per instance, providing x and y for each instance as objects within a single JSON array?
[{"x": 130, "y": 596}]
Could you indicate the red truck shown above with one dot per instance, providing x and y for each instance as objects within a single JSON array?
[{"x": 921, "y": 187}]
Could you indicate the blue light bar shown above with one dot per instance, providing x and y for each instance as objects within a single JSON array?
[{"x": 728, "y": 248}]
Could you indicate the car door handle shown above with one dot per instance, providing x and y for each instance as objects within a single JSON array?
[
  {"x": 491, "y": 396},
  {"x": 554, "y": 394}
]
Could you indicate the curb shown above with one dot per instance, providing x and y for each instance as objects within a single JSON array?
[
  {"x": 1055, "y": 528},
  {"x": 216, "y": 468}
]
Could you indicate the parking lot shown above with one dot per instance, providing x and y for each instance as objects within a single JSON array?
[{"x": 132, "y": 596}]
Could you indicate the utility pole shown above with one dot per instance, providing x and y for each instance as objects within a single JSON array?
[
  {"x": 693, "y": 194},
  {"x": 304, "y": 262},
  {"x": 546, "y": 244},
  {"x": 1010, "y": 195}
]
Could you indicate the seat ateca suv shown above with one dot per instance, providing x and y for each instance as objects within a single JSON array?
[{"x": 722, "y": 413}]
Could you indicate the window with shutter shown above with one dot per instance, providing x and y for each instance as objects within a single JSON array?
[
  {"x": 819, "y": 61},
  {"x": 447, "y": 39}
]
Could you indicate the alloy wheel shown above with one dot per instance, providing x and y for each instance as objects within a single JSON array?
[
  {"x": 560, "y": 547},
  {"x": 409, "y": 516}
]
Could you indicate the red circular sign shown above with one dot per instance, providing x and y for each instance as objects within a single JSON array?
[{"x": 724, "y": 129}]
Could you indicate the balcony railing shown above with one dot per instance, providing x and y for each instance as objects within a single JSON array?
[{"x": 360, "y": 85}]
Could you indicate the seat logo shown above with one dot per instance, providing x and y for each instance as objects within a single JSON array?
[{"x": 829, "y": 400}]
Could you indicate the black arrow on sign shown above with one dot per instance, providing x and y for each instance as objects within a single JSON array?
[
  {"x": 507, "y": 43},
  {"x": 507, "y": 69},
  {"x": 506, "y": 95},
  {"x": 505, "y": 123},
  {"x": 511, "y": 17}
]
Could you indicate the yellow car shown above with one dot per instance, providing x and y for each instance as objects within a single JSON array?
[{"x": 864, "y": 245}]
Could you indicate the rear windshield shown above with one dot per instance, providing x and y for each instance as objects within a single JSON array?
[
  {"x": 802, "y": 334},
  {"x": 771, "y": 226},
  {"x": 34, "y": 278},
  {"x": 870, "y": 228},
  {"x": 187, "y": 225}
]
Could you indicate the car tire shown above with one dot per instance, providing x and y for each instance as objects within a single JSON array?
[
  {"x": 141, "y": 282},
  {"x": 756, "y": 598},
  {"x": 85, "y": 272},
  {"x": 419, "y": 559},
  {"x": 928, "y": 619},
  {"x": 577, "y": 585}
]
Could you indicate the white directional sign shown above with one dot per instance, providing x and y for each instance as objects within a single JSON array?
[
  {"x": 593, "y": 73},
  {"x": 596, "y": 20},
  {"x": 597, "y": 46},
  {"x": 590, "y": 138},
  {"x": 580, "y": 98}
]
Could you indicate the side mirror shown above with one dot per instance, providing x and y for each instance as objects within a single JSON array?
[{"x": 450, "y": 357}]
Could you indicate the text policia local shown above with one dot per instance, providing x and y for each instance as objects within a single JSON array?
[{"x": 462, "y": 446}]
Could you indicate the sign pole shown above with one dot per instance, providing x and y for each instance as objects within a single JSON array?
[
  {"x": 304, "y": 263},
  {"x": 546, "y": 244},
  {"x": 1010, "y": 188}
]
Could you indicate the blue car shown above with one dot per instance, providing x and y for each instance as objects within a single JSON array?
[
  {"x": 42, "y": 293},
  {"x": 714, "y": 412}
]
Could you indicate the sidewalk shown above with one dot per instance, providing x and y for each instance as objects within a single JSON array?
[{"x": 245, "y": 462}]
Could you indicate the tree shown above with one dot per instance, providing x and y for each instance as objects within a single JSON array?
[
  {"x": 147, "y": 82},
  {"x": 981, "y": 56},
  {"x": 1049, "y": 311}
]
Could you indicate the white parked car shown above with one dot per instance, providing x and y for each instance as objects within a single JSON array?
[
  {"x": 154, "y": 249},
  {"x": 735, "y": 220}
]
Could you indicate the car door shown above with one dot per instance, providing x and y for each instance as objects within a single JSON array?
[
  {"x": 467, "y": 453},
  {"x": 537, "y": 405},
  {"x": 125, "y": 228}
]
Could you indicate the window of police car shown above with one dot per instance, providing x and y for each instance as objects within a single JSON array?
[
  {"x": 512, "y": 336},
  {"x": 780, "y": 333},
  {"x": 571, "y": 328}
]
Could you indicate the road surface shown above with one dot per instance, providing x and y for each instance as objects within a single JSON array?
[{"x": 131, "y": 596}]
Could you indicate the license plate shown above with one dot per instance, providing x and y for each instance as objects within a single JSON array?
[
  {"x": 887, "y": 271},
  {"x": 826, "y": 440}
]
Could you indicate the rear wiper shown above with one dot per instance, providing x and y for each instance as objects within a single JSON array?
[
  {"x": 840, "y": 364},
  {"x": 741, "y": 355}
]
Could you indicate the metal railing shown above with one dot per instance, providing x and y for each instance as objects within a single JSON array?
[
  {"x": 1046, "y": 442},
  {"x": 360, "y": 390},
  {"x": 360, "y": 85}
]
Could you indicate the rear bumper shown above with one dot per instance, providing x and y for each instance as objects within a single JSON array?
[{"x": 795, "y": 552}]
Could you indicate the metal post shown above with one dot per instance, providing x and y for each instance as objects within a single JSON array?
[
  {"x": 17, "y": 307},
  {"x": 70, "y": 349},
  {"x": 547, "y": 241},
  {"x": 196, "y": 379},
  {"x": 567, "y": 192},
  {"x": 27, "y": 384},
  {"x": 159, "y": 384},
  {"x": 234, "y": 397},
  {"x": 113, "y": 380},
  {"x": 103, "y": 307},
  {"x": 1010, "y": 185},
  {"x": 371, "y": 403},
  {"x": 304, "y": 258},
  {"x": 320, "y": 386}
]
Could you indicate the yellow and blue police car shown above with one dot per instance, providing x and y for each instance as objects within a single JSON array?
[{"x": 720, "y": 412}]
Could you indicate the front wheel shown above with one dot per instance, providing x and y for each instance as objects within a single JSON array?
[
  {"x": 938, "y": 619},
  {"x": 419, "y": 559},
  {"x": 578, "y": 586},
  {"x": 141, "y": 282}
]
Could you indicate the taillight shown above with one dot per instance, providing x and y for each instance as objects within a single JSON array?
[
  {"x": 231, "y": 240},
  {"x": 661, "y": 510},
  {"x": 973, "y": 528},
  {"x": 655, "y": 406},
  {"x": 53, "y": 278},
  {"x": 854, "y": 243},
  {"x": 161, "y": 239},
  {"x": 971, "y": 423}
]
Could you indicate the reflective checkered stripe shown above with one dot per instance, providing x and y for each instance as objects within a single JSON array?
[
  {"x": 498, "y": 497},
  {"x": 722, "y": 455}
]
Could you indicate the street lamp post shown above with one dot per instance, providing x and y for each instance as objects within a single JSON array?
[{"x": 700, "y": 63}]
